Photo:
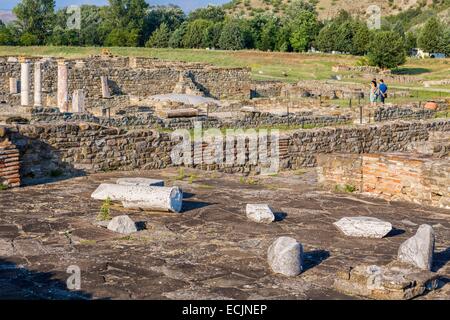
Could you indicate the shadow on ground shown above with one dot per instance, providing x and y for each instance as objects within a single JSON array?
[
  {"x": 314, "y": 258},
  {"x": 18, "y": 283},
  {"x": 440, "y": 259}
]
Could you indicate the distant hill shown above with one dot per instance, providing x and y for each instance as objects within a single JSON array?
[
  {"x": 7, "y": 16},
  {"x": 328, "y": 8}
]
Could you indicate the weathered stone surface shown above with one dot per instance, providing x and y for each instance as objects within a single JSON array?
[
  {"x": 140, "y": 182},
  {"x": 365, "y": 227},
  {"x": 142, "y": 197},
  {"x": 395, "y": 281},
  {"x": 122, "y": 224},
  {"x": 418, "y": 250},
  {"x": 212, "y": 251},
  {"x": 285, "y": 256},
  {"x": 260, "y": 213}
]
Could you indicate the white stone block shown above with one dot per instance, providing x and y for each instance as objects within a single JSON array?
[
  {"x": 419, "y": 249},
  {"x": 260, "y": 213},
  {"x": 142, "y": 197},
  {"x": 364, "y": 227},
  {"x": 140, "y": 182},
  {"x": 122, "y": 224},
  {"x": 285, "y": 256}
]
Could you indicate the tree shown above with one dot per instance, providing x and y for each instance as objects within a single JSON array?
[
  {"x": 7, "y": 36},
  {"x": 35, "y": 19},
  {"x": 160, "y": 38},
  {"x": 122, "y": 38},
  {"x": 211, "y": 13},
  {"x": 176, "y": 39},
  {"x": 410, "y": 41},
  {"x": 268, "y": 39},
  {"x": 387, "y": 50},
  {"x": 326, "y": 40},
  {"x": 193, "y": 38},
  {"x": 432, "y": 36},
  {"x": 173, "y": 16},
  {"x": 232, "y": 36},
  {"x": 91, "y": 21},
  {"x": 124, "y": 18},
  {"x": 304, "y": 28},
  {"x": 361, "y": 39},
  {"x": 212, "y": 34},
  {"x": 283, "y": 43}
]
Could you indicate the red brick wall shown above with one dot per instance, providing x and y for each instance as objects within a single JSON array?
[{"x": 405, "y": 177}]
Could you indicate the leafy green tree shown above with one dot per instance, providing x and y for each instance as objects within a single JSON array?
[
  {"x": 268, "y": 39},
  {"x": 326, "y": 39},
  {"x": 387, "y": 50},
  {"x": 160, "y": 38},
  {"x": 29, "y": 39},
  {"x": 212, "y": 34},
  {"x": 305, "y": 28},
  {"x": 283, "y": 43},
  {"x": 35, "y": 20},
  {"x": 233, "y": 36},
  {"x": 193, "y": 38},
  {"x": 176, "y": 39},
  {"x": 91, "y": 21},
  {"x": 361, "y": 38},
  {"x": 211, "y": 13},
  {"x": 7, "y": 35},
  {"x": 124, "y": 18},
  {"x": 173, "y": 16},
  {"x": 410, "y": 41},
  {"x": 122, "y": 38},
  {"x": 432, "y": 36}
]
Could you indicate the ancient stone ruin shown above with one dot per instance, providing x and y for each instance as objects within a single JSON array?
[{"x": 212, "y": 185}]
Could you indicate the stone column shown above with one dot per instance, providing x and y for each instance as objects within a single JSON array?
[
  {"x": 63, "y": 94},
  {"x": 105, "y": 87},
  {"x": 13, "y": 88},
  {"x": 78, "y": 101},
  {"x": 37, "y": 84},
  {"x": 25, "y": 67}
]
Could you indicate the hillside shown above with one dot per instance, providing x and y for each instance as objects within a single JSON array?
[{"x": 328, "y": 8}]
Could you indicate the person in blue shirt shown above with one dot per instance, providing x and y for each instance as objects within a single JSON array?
[{"x": 382, "y": 88}]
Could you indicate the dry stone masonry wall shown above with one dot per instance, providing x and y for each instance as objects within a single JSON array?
[{"x": 85, "y": 147}]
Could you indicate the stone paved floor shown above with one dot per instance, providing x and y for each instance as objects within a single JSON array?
[{"x": 209, "y": 251}]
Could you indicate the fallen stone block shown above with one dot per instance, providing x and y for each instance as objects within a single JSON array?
[
  {"x": 142, "y": 197},
  {"x": 395, "y": 281},
  {"x": 285, "y": 256},
  {"x": 418, "y": 250},
  {"x": 140, "y": 182},
  {"x": 122, "y": 224},
  {"x": 364, "y": 227},
  {"x": 260, "y": 213}
]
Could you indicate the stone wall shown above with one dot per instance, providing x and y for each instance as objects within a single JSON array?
[
  {"x": 9, "y": 161},
  {"x": 78, "y": 147},
  {"x": 406, "y": 177},
  {"x": 395, "y": 112},
  {"x": 396, "y": 136},
  {"x": 150, "y": 120}
]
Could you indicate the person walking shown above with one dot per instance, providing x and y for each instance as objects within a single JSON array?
[
  {"x": 373, "y": 93},
  {"x": 382, "y": 88}
]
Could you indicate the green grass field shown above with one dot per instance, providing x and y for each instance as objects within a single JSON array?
[{"x": 289, "y": 67}]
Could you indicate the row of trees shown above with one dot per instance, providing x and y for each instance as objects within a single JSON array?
[{"x": 134, "y": 23}]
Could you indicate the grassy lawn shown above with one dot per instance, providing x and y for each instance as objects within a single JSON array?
[{"x": 289, "y": 67}]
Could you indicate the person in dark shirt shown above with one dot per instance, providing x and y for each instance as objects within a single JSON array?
[{"x": 382, "y": 88}]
